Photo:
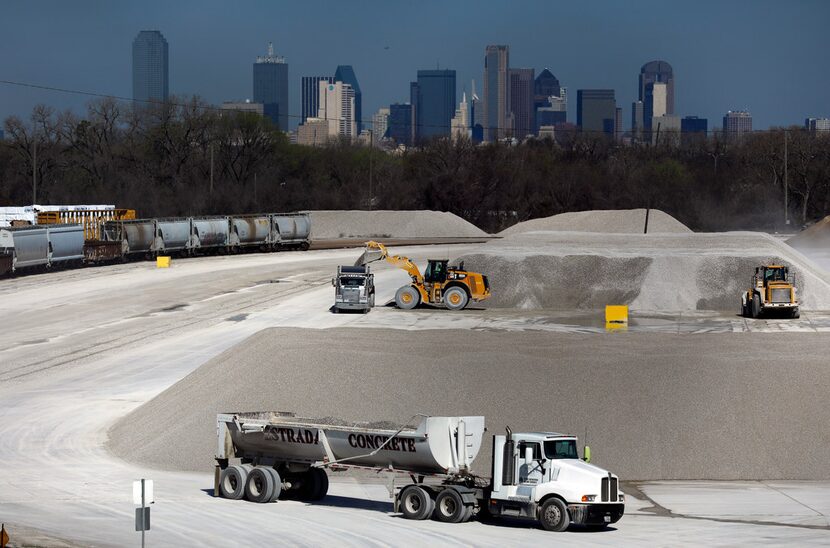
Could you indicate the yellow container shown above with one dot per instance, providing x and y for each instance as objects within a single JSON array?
[
  {"x": 616, "y": 314},
  {"x": 162, "y": 262}
]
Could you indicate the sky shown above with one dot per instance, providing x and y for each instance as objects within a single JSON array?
[{"x": 768, "y": 57}]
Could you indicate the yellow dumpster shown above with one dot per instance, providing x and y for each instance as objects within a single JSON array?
[
  {"x": 616, "y": 316},
  {"x": 162, "y": 262}
]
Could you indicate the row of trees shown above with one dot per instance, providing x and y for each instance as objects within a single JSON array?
[{"x": 184, "y": 158}]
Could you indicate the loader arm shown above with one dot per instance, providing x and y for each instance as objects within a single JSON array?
[{"x": 404, "y": 263}]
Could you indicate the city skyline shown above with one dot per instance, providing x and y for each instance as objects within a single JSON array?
[{"x": 212, "y": 63}]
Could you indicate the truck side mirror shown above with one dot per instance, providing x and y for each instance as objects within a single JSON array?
[{"x": 586, "y": 454}]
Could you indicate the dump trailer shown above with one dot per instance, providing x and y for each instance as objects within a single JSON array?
[
  {"x": 539, "y": 476},
  {"x": 772, "y": 290},
  {"x": 354, "y": 289}
]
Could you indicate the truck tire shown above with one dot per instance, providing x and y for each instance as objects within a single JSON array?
[
  {"x": 795, "y": 314},
  {"x": 455, "y": 298},
  {"x": 468, "y": 513},
  {"x": 449, "y": 506},
  {"x": 416, "y": 503},
  {"x": 756, "y": 306},
  {"x": 277, "y": 484},
  {"x": 372, "y": 300},
  {"x": 260, "y": 485},
  {"x": 232, "y": 482},
  {"x": 407, "y": 298},
  {"x": 322, "y": 484},
  {"x": 553, "y": 515}
]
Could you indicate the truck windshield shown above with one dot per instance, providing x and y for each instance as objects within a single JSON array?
[
  {"x": 561, "y": 449},
  {"x": 351, "y": 282}
]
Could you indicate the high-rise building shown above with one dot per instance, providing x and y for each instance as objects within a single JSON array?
[
  {"x": 313, "y": 132},
  {"x": 521, "y": 101},
  {"x": 433, "y": 100},
  {"x": 271, "y": 86},
  {"x": 554, "y": 112},
  {"x": 657, "y": 72},
  {"x": 460, "y": 125},
  {"x": 655, "y": 103},
  {"x": 311, "y": 94},
  {"x": 618, "y": 124},
  {"x": 380, "y": 123},
  {"x": 665, "y": 130},
  {"x": 737, "y": 122},
  {"x": 400, "y": 123},
  {"x": 496, "y": 110},
  {"x": 637, "y": 120},
  {"x": 151, "y": 76},
  {"x": 244, "y": 106},
  {"x": 596, "y": 110},
  {"x": 336, "y": 107},
  {"x": 693, "y": 129},
  {"x": 476, "y": 116},
  {"x": 345, "y": 74},
  {"x": 545, "y": 86},
  {"x": 817, "y": 124}
]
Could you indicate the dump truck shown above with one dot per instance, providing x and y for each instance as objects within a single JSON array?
[
  {"x": 265, "y": 456},
  {"x": 440, "y": 283},
  {"x": 772, "y": 290},
  {"x": 354, "y": 289}
]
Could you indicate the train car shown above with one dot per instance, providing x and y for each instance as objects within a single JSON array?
[
  {"x": 210, "y": 233},
  {"x": 44, "y": 246},
  {"x": 138, "y": 237},
  {"x": 291, "y": 230},
  {"x": 173, "y": 235},
  {"x": 251, "y": 231}
]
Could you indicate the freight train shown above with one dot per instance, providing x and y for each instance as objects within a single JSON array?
[{"x": 56, "y": 245}]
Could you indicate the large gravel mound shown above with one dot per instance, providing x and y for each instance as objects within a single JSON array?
[
  {"x": 612, "y": 221},
  {"x": 327, "y": 225},
  {"x": 655, "y": 406},
  {"x": 648, "y": 272},
  {"x": 817, "y": 236}
]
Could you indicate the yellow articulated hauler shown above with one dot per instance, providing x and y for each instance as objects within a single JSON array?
[{"x": 440, "y": 283}]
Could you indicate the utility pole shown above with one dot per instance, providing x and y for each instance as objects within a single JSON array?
[
  {"x": 34, "y": 171},
  {"x": 211, "y": 168},
  {"x": 786, "y": 189},
  {"x": 371, "y": 151}
]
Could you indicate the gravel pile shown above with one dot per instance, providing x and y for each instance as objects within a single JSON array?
[
  {"x": 326, "y": 225},
  {"x": 648, "y": 272},
  {"x": 655, "y": 406},
  {"x": 817, "y": 236},
  {"x": 612, "y": 221}
]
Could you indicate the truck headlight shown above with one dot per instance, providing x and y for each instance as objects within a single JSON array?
[{"x": 588, "y": 498}]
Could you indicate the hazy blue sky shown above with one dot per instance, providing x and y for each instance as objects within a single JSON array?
[{"x": 770, "y": 57}]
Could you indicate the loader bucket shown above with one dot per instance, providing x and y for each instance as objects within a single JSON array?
[{"x": 368, "y": 256}]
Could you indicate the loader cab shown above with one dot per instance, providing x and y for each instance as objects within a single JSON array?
[{"x": 436, "y": 271}]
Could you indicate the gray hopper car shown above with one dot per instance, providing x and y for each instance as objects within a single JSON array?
[{"x": 44, "y": 246}]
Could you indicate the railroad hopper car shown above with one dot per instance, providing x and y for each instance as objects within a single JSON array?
[{"x": 41, "y": 246}]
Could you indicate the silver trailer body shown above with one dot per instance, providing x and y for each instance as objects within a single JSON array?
[
  {"x": 250, "y": 230},
  {"x": 291, "y": 228},
  {"x": 437, "y": 446},
  {"x": 210, "y": 232},
  {"x": 173, "y": 233},
  {"x": 49, "y": 245},
  {"x": 354, "y": 288}
]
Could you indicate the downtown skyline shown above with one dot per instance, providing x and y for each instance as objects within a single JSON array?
[{"x": 720, "y": 73}]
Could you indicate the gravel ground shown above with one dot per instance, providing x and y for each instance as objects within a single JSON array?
[
  {"x": 612, "y": 221},
  {"x": 390, "y": 224},
  {"x": 655, "y": 406},
  {"x": 648, "y": 272}
]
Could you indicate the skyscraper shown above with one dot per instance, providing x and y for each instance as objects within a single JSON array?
[
  {"x": 546, "y": 86},
  {"x": 817, "y": 124},
  {"x": 737, "y": 122},
  {"x": 496, "y": 110},
  {"x": 380, "y": 123},
  {"x": 637, "y": 120},
  {"x": 655, "y": 103},
  {"x": 311, "y": 94},
  {"x": 345, "y": 74},
  {"x": 618, "y": 124},
  {"x": 476, "y": 115},
  {"x": 596, "y": 110},
  {"x": 433, "y": 99},
  {"x": 461, "y": 121},
  {"x": 693, "y": 129},
  {"x": 151, "y": 78},
  {"x": 521, "y": 101},
  {"x": 337, "y": 106},
  {"x": 271, "y": 87},
  {"x": 400, "y": 123},
  {"x": 658, "y": 71}
]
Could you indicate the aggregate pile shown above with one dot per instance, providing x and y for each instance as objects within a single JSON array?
[
  {"x": 655, "y": 406},
  {"x": 327, "y": 225},
  {"x": 816, "y": 236},
  {"x": 649, "y": 272},
  {"x": 613, "y": 221}
]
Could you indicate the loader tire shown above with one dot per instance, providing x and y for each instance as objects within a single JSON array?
[
  {"x": 416, "y": 503},
  {"x": 232, "y": 482},
  {"x": 259, "y": 486},
  {"x": 756, "y": 306},
  {"x": 407, "y": 298},
  {"x": 456, "y": 298}
]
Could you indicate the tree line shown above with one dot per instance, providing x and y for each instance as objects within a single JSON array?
[{"x": 187, "y": 158}]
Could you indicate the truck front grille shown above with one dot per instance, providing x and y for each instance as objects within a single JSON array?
[
  {"x": 780, "y": 295},
  {"x": 609, "y": 490}
]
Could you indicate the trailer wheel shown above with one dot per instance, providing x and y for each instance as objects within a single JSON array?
[
  {"x": 304, "y": 246},
  {"x": 260, "y": 485},
  {"x": 449, "y": 506},
  {"x": 277, "y": 484},
  {"x": 407, "y": 297},
  {"x": 554, "y": 515},
  {"x": 455, "y": 298},
  {"x": 232, "y": 482},
  {"x": 416, "y": 503},
  {"x": 756, "y": 306},
  {"x": 468, "y": 513},
  {"x": 321, "y": 483}
]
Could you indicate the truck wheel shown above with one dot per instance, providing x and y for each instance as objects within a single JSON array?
[
  {"x": 304, "y": 246},
  {"x": 372, "y": 301},
  {"x": 232, "y": 482},
  {"x": 407, "y": 297},
  {"x": 468, "y": 513},
  {"x": 756, "y": 306},
  {"x": 455, "y": 298},
  {"x": 449, "y": 507},
  {"x": 795, "y": 314},
  {"x": 554, "y": 515},
  {"x": 277, "y": 484},
  {"x": 260, "y": 485},
  {"x": 416, "y": 503},
  {"x": 321, "y": 484}
]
